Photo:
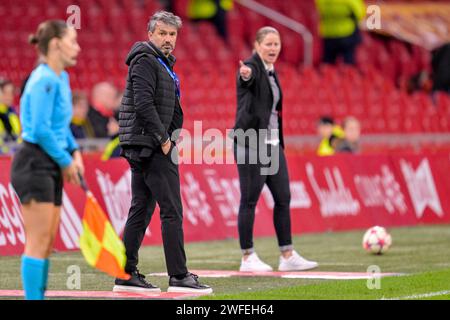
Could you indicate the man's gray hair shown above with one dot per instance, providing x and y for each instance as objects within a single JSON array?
[{"x": 164, "y": 17}]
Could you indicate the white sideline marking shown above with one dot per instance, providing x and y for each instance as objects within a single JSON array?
[
  {"x": 420, "y": 296},
  {"x": 288, "y": 275},
  {"x": 326, "y": 277}
]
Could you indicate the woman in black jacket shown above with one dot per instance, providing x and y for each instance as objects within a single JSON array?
[{"x": 259, "y": 153}]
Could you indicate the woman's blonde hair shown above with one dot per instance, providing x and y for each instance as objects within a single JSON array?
[{"x": 263, "y": 32}]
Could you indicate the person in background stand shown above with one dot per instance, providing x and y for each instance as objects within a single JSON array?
[
  {"x": 329, "y": 133},
  {"x": 352, "y": 134},
  {"x": 112, "y": 148},
  {"x": 214, "y": 11},
  {"x": 81, "y": 128},
  {"x": 9, "y": 121},
  {"x": 339, "y": 28},
  {"x": 103, "y": 109}
]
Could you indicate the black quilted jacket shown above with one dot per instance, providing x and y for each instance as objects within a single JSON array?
[{"x": 149, "y": 103}]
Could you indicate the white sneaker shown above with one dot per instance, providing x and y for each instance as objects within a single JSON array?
[
  {"x": 253, "y": 263},
  {"x": 296, "y": 263}
]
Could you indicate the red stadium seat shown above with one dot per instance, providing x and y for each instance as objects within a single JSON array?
[{"x": 110, "y": 27}]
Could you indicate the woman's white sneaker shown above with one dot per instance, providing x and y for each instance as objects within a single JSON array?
[
  {"x": 296, "y": 263},
  {"x": 254, "y": 264}
]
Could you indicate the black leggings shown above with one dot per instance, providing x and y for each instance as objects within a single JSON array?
[{"x": 251, "y": 185}]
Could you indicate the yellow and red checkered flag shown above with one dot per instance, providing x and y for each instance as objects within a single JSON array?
[{"x": 99, "y": 242}]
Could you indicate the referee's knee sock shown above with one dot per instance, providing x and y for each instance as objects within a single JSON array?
[{"x": 34, "y": 277}]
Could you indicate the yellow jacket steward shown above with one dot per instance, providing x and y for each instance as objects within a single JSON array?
[
  {"x": 338, "y": 17},
  {"x": 325, "y": 147},
  {"x": 9, "y": 122},
  {"x": 206, "y": 9},
  {"x": 9, "y": 127}
]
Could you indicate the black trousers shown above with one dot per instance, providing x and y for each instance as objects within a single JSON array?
[
  {"x": 251, "y": 184},
  {"x": 156, "y": 180},
  {"x": 345, "y": 47}
]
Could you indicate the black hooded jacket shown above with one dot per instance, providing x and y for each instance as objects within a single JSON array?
[{"x": 150, "y": 110}]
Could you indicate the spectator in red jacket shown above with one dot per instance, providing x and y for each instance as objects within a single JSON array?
[{"x": 103, "y": 111}]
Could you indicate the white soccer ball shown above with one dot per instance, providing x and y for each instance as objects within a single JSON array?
[{"x": 377, "y": 240}]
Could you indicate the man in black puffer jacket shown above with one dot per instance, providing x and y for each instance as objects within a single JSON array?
[{"x": 149, "y": 117}]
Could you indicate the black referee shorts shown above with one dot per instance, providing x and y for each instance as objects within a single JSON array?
[{"x": 35, "y": 176}]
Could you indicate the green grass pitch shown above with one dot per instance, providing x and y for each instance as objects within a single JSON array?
[{"x": 423, "y": 253}]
